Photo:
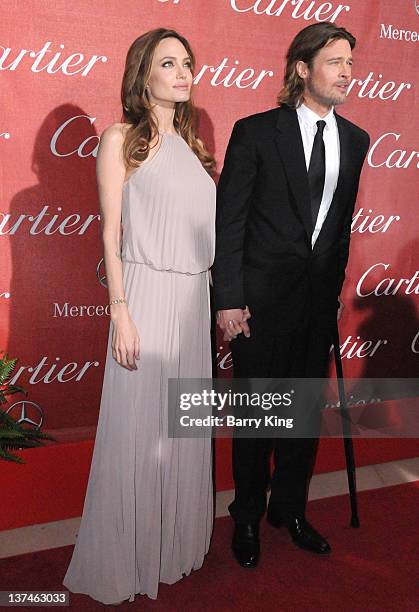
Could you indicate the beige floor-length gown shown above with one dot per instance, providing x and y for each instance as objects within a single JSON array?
[{"x": 148, "y": 511}]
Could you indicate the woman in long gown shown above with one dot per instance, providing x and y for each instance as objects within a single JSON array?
[{"x": 148, "y": 511}]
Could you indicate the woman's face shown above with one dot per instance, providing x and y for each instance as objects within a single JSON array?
[{"x": 170, "y": 77}]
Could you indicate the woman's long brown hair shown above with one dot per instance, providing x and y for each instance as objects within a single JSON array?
[{"x": 137, "y": 109}]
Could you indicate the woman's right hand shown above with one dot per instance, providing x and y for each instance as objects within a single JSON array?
[{"x": 125, "y": 339}]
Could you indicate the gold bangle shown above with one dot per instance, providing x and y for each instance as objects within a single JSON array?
[{"x": 118, "y": 301}]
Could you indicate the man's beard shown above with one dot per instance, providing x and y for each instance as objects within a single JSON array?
[{"x": 320, "y": 97}]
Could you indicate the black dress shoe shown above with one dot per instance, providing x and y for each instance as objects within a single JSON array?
[
  {"x": 245, "y": 544},
  {"x": 306, "y": 537}
]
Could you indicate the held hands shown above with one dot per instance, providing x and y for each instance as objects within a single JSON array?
[
  {"x": 125, "y": 338},
  {"x": 233, "y": 322}
]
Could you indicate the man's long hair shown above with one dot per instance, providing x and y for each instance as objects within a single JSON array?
[
  {"x": 305, "y": 47},
  {"x": 137, "y": 109}
]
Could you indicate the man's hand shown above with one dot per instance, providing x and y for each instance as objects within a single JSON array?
[
  {"x": 233, "y": 322},
  {"x": 340, "y": 309}
]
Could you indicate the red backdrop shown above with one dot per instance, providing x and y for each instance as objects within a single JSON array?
[{"x": 61, "y": 67}]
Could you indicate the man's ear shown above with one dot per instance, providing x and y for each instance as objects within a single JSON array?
[{"x": 302, "y": 69}]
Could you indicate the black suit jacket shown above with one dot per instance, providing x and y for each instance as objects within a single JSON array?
[{"x": 263, "y": 247}]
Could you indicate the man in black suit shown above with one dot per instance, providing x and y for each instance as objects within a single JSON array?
[{"x": 286, "y": 197}]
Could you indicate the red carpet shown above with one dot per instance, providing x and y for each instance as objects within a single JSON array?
[
  {"x": 64, "y": 467},
  {"x": 373, "y": 568}
]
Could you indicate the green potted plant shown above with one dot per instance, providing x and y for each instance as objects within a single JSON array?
[{"x": 14, "y": 436}]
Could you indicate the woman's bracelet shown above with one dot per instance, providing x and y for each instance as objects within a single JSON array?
[{"x": 118, "y": 301}]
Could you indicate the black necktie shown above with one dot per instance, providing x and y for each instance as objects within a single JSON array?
[{"x": 316, "y": 171}]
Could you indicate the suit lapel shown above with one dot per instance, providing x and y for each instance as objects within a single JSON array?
[
  {"x": 343, "y": 185},
  {"x": 290, "y": 146}
]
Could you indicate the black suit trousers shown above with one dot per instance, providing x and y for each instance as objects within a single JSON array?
[{"x": 300, "y": 353}]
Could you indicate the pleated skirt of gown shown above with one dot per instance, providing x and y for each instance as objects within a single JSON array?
[{"x": 148, "y": 511}]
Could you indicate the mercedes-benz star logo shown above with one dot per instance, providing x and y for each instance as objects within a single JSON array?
[
  {"x": 100, "y": 273},
  {"x": 417, "y": 6},
  {"x": 28, "y": 413}
]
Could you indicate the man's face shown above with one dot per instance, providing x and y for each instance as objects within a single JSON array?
[{"x": 328, "y": 79}]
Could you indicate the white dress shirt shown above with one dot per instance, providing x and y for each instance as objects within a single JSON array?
[{"x": 307, "y": 120}]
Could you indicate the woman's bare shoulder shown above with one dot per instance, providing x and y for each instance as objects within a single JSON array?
[{"x": 115, "y": 134}]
